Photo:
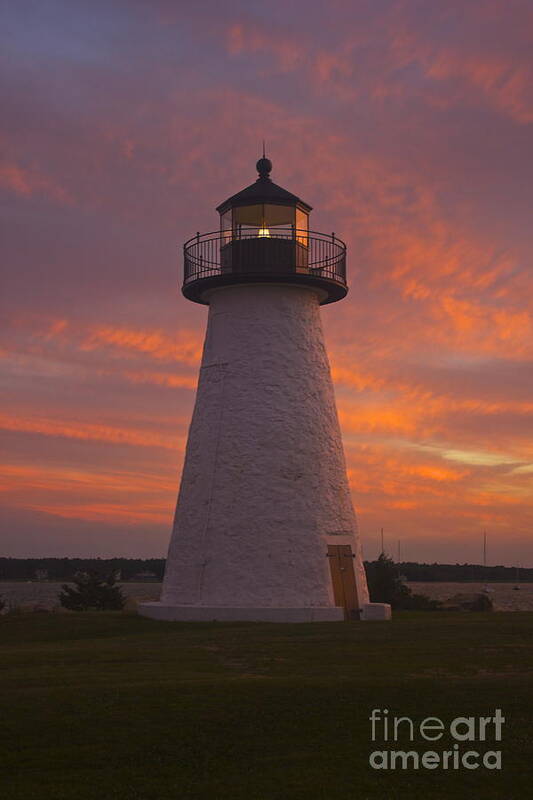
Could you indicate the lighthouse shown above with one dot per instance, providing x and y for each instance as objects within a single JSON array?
[{"x": 264, "y": 527}]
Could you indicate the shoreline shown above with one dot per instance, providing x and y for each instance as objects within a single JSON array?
[{"x": 44, "y": 594}]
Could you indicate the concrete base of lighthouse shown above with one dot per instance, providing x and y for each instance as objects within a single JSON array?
[
  {"x": 168, "y": 613},
  {"x": 264, "y": 492}
]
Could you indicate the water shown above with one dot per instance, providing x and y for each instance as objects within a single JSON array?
[
  {"x": 502, "y": 595},
  {"x": 45, "y": 593}
]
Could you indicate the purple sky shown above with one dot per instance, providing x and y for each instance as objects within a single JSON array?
[{"x": 406, "y": 125}]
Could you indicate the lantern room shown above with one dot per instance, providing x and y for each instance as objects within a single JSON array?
[
  {"x": 264, "y": 210},
  {"x": 264, "y": 237}
]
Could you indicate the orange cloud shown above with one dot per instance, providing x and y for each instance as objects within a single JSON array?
[
  {"x": 505, "y": 83},
  {"x": 101, "y": 512},
  {"x": 402, "y": 504},
  {"x": 377, "y": 418},
  {"x": 186, "y": 346},
  {"x": 162, "y": 379},
  {"x": 26, "y": 183},
  {"x": 53, "y": 479},
  {"x": 502, "y": 80},
  {"x": 90, "y": 431},
  {"x": 356, "y": 377},
  {"x": 57, "y": 327},
  {"x": 118, "y": 496},
  {"x": 249, "y": 38}
]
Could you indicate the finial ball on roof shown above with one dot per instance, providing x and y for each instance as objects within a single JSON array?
[{"x": 264, "y": 167}]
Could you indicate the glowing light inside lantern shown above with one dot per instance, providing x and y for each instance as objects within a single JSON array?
[{"x": 263, "y": 232}]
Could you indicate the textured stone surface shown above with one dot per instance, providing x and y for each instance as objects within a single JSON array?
[{"x": 264, "y": 486}]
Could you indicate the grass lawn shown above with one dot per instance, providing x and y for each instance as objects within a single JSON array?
[{"x": 116, "y": 706}]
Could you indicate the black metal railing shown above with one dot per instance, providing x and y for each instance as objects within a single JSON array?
[{"x": 280, "y": 251}]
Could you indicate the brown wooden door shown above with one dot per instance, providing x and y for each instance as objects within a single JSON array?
[{"x": 341, "y": 560}]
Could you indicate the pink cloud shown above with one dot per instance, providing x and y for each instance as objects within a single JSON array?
[{"x": 30, "y": 182}]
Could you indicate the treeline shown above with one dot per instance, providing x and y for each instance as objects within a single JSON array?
[
  {"x": 463, "y": 572},
  {"x": 61, "y": 569}
]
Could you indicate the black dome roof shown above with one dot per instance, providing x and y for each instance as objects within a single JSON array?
[{"x": 263, "y": 191}]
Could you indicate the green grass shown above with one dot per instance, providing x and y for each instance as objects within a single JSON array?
[{"x": 115, "y": 706}]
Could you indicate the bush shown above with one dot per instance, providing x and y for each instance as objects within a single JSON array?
[
  {"x": 386, "y": 586},
  {"x": 91, "y": 591},
  {"x": 473, "y": 601}
]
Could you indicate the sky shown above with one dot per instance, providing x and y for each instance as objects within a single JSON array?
[{"x": 407, "y": 125}]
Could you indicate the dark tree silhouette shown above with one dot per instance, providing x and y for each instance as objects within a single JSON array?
[
  {"x": 92, "y": 591},
  {"x": 386, "y": 586}
]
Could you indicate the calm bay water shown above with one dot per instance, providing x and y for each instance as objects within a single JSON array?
[
  {"x": 45, "y": 593},
  {"x": 503, "y": 595}
]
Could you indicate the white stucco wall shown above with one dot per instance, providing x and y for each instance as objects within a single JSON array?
[{"x": 264, "y": 486}]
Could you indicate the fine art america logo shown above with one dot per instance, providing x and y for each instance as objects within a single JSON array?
[{"x": 471, "y": 735}]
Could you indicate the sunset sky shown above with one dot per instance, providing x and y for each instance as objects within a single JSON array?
[{"x": 407, "y": 125}]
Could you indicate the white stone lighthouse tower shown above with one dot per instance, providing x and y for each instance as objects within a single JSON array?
[{"x": 264, "y": 526}]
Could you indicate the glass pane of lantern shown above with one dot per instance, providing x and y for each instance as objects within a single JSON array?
[
  {"x": 276, "y": 215},
  {"x": 248, "y": 215},
  {"x": 302, "y": 227},
  {"x": 225, "y": 225}
]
